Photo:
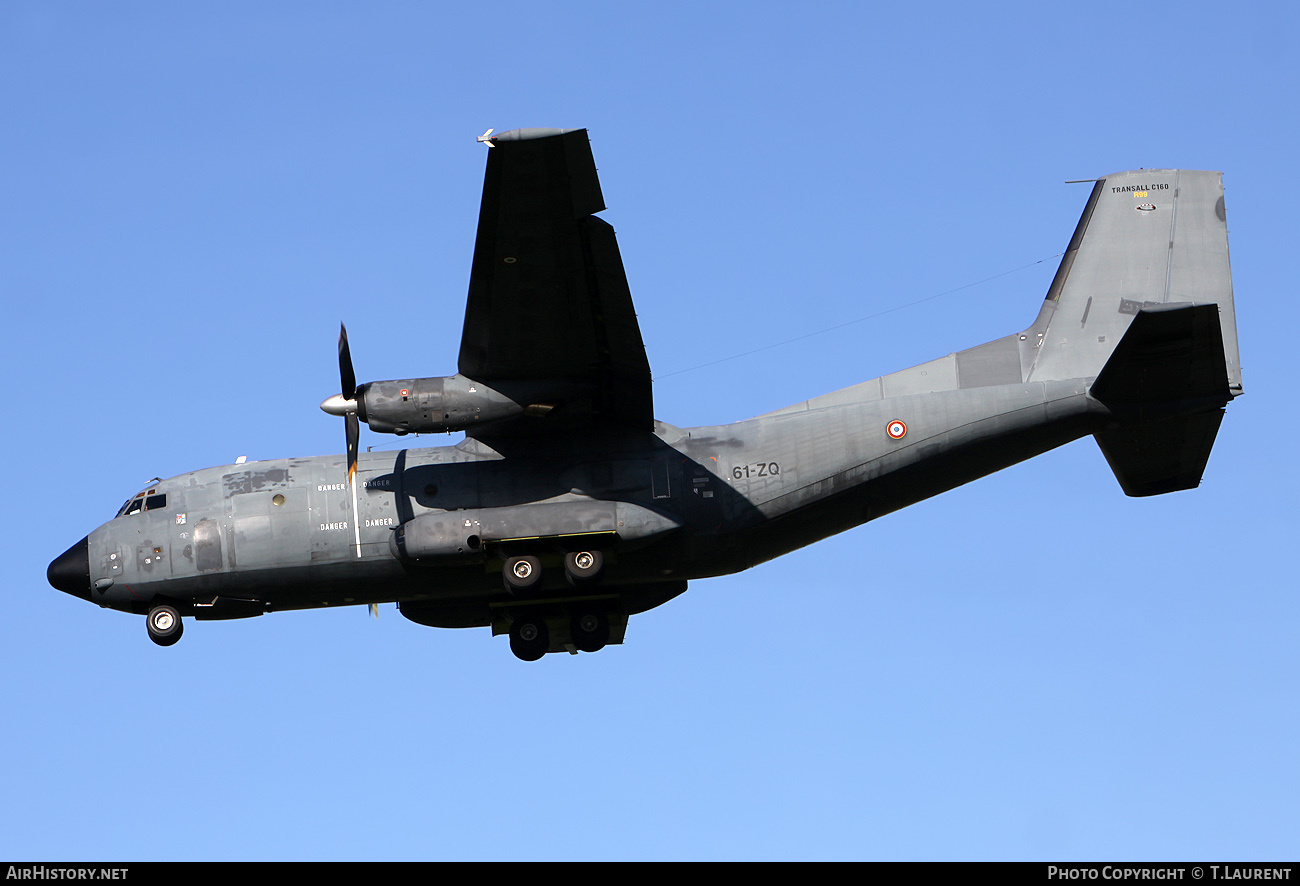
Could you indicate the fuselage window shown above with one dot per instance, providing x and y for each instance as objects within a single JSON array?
[{"x": 155, "y": 502}]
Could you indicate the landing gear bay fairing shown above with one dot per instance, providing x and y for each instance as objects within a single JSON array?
[{"x": 568, "y": 508}]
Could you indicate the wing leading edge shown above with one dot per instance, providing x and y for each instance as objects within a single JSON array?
[{"x": 549, "y": 306}]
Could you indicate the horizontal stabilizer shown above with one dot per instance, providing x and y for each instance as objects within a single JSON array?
[
  {"x": 1170, "y": 359},
  {"x": 1167, "y": 382},
  {"x": 1164, "y": 455}
]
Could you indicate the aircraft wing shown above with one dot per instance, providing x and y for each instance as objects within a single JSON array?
[{"x": 549, "y": 302}]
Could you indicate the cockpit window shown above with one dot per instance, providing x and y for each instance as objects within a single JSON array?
[{"x": 143, "y": 503}]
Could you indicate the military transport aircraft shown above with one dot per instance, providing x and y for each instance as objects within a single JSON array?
[{"x": 568, "y": 508}]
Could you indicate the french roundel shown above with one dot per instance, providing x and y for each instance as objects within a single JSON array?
[{"x": 896, "y": 430}]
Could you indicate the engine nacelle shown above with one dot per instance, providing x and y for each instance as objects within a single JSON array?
[{"x": 426, "y": 405}]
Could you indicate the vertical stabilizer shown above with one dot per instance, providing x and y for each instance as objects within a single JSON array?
[{"x": 1146, "y": 239}]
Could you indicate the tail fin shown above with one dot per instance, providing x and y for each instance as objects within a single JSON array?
[
  {"x": 1142, "y": 302},
  {"x": 1146, "y": 238}
]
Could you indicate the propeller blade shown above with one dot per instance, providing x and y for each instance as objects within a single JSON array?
[
  {"x": 345, "y": 404},
  {"x": 354, "y": 443},
  {"x": 346, "y": 374},
  {"x": 374, "y": 610}
]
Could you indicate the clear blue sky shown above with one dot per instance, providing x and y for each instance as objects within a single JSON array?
[{"x": 1030, "y": 667}]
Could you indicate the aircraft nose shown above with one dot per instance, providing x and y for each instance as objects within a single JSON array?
[{"x": 70, "y": 571}]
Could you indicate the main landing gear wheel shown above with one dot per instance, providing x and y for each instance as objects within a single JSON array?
[
  {"x": 164, "y": 624},
  {"x": 589, "y": 629},
  {"x": 522, "y": 573},
  {"x": 529, "y": 638},
  {"x": 583, "y": 567}
]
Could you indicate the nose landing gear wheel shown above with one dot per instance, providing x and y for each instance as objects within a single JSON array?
[
  {"x": 529, "y": 638},
  {"x": 522, "y": 573},
  {"x": 164, "y": 624},
  {"x": 589, "y": 630},
  {"x": 583, "y": 567}
]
